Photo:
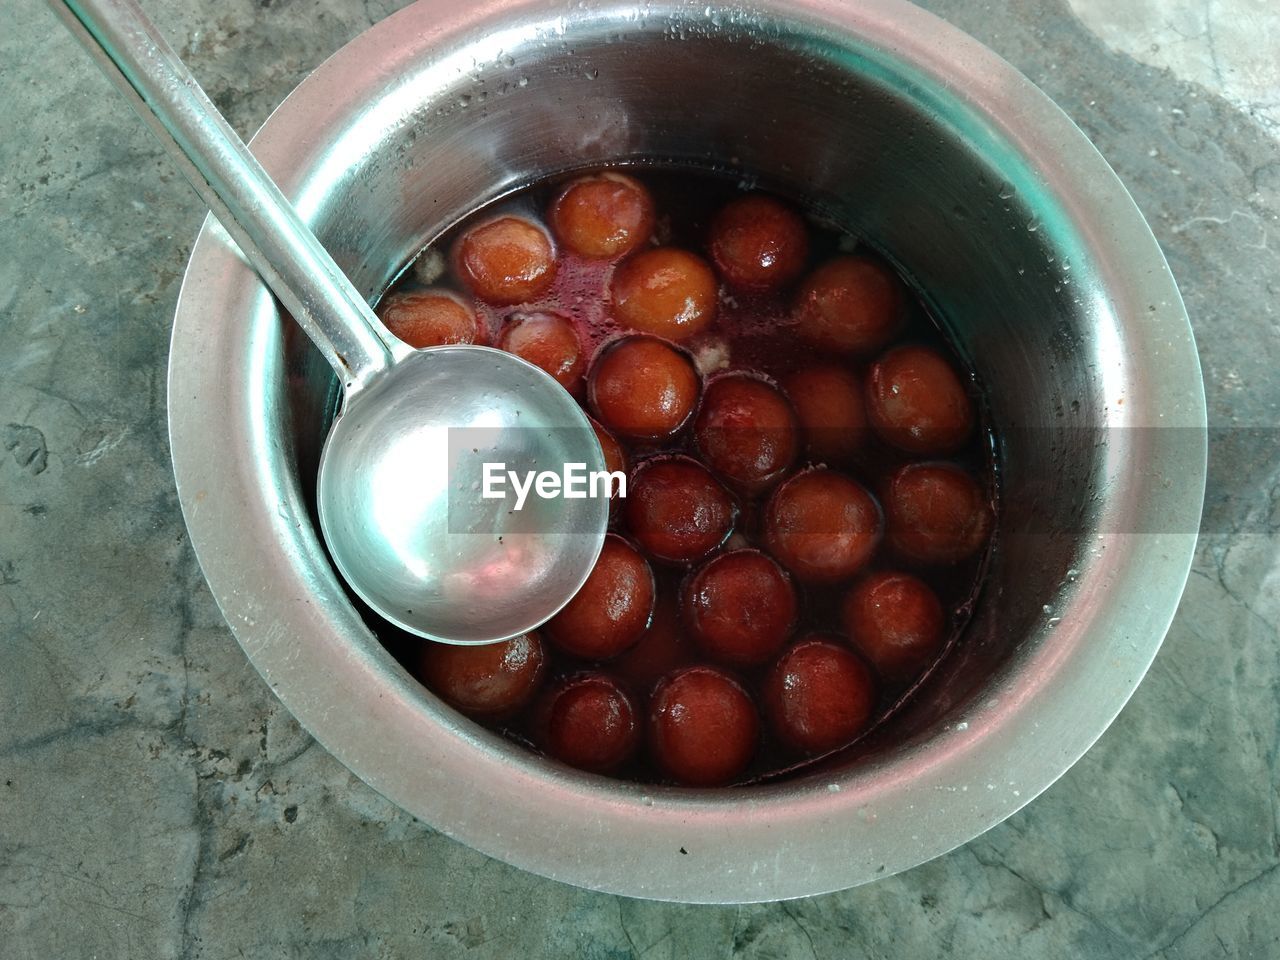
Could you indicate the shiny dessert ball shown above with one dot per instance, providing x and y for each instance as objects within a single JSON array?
[
  {"x": 818, "y": 696},
  {"x": 828, "y": 402},
  {"x": 603, "y": 215},
  {"x": 642, "y": 388},
  {"x": 936, "y": 513},
  {"x": 430, "y": 318},
  {"x": 896, "y": 621},
  {"x": 703, "y": 727},
  {"x": 548, "y": 341},
  {"x": 746, "y": 431},
  {"x": 590, "y": 722},
  {"x": 676, "y": 510},
  {"x": 666, "y": 292},
  {"x": 822, "y": 526},
  {"x": 506, "y": 261},
  {"x": 612, "y": 609},
  {"x": 740, "y": 608},
  {"x": 486, "y": 680},
  {"x": 759, "y": 243},
  {"x": 917, "y": 403},
  {"x": 851, "y": 304}
]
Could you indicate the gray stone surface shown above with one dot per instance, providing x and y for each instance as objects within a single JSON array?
[{"x": 156, "y": 801}]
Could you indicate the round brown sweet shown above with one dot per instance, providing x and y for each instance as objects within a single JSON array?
[
  {"x": 703, "y": 727},
  {"x": 818, "y": 696},
  {"x": 852, "y": 304},
  {"x": 676, "y": 510},
  {"x": 828, "y": 403},
  {"x": 822, "y": 526},
  {"x": 603, "y": 215},
  {"x": 591, "y": 723},
  {"x": 759, "y": 243},
  {"x": 508, "y": 260},
  {"x": 486, "y": 680},
  {"x": 746, "y": 431},
  {"x": 936, "y": 513},
  {"x": 917, "y": 403},
  {"x": 548, "y": 341},
  {"x": 642, "y": 388},
  {"x": 740, "y": 608},
  {"x": 663, "y": 648},
  {"x": 896, "y": 621},
  {"x": 612, "y": 609},
  {"x": 430, "y": 318},
  {"x": 664, "y": 291}
]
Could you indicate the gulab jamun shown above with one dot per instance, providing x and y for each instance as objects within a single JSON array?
[
  {"x": 917, "y": 403},
  {"x": 703, "y": 727},
  {"x": 612, "y": 609},
  {"x": 676, "y": 510},
  {"x": 822, "y": 526},
  {"x": 818, "y": 696},
  {"x": 740, "y": 608},
  {"x": 664, "y": 647},
  {"x": 852, "y": 304},
  {"x": 665, "y": 291},
  {"x": 430, "y": 318},
  {"x": 484, "y": 680},
  {"x": 896, "y": 621},
  {"x": 508, "y": 260},
  {"x": 746, "y": 431},
  {"x": 828, "y": 403},
  {"x": 590, "y": 722},
  {"x": 936, "y": 513},
  {"x": 760, "y": 387},
  {"x": 759, "y": 243},
  {"x": 643, "y": 389},
  {"x": 548, "y": 341},
  {"x": 603, "y": 215}
]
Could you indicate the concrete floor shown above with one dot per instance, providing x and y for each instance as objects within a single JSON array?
[{"x": 156, "y": 801}]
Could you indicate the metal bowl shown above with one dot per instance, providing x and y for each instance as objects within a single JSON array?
[{"x": 903, "y": 130}]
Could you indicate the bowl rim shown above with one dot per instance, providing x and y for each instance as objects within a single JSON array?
[{"x": 275, "y": 586}]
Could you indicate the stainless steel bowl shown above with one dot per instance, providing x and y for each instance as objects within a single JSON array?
[{"x": 902, "y": 129}]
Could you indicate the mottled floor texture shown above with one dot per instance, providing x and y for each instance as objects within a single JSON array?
[{"x": 156, "y": 801}]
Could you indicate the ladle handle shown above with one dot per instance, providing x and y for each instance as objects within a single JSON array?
[{"x": 133, "y": 54}]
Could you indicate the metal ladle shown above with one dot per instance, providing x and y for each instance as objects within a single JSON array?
[{"x": 400, "y": 485}]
